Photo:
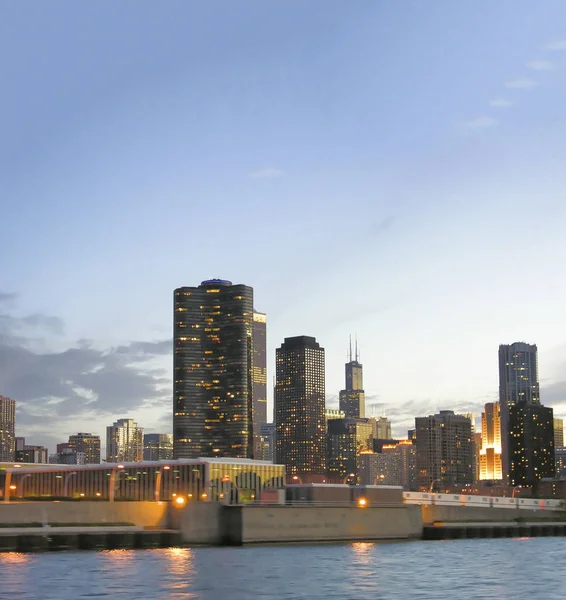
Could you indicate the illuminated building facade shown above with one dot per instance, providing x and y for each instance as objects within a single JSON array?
[
  {"x": 259, "y": 379},
  {"x": 518, "y": 382},
  {"x": 444, "y": 451},
  {"x": 124, "y": 442},
  {"x": 558, "y": 433},
  {"x": 352, "y": 399},
  {"x": 346, "y": 439},
  {"x": 213, "y": 371},
  {"x": 268, "y": 436},
  {"x": 560, "y": 462},
  {"x": 87, "y": 444},
  {"x": 7, "y": 429},
  {"x": 381, "y": 428},
  {"x": 531, "y": 444},
  {"x": 396, "y": 464},
  {"x": 299, "y": 409},
  {"x": 157, "y": 446},
  {"x": 490, "y": 452}
]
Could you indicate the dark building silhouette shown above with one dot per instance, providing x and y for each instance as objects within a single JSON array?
[
  {"x": 345, "y": 439},
  {"x": 352, "y": 399},
  {"x": 259, "y": 377},
  {"x": 531, "y": 443},
  {"x": 299, "y": 409},
  {"x": 444, "y": 451},
  {"x": 518, "y": 382},
  {"x": 212, "y": 371}
]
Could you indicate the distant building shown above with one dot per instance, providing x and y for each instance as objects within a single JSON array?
[
  {"x": 558, "y": 433},
  {"x": 7, "y": 429},
  {"x": 124, "y": 442},
  {"x": 531, "y": 444},
  {"x": 412, "y": 434},
  {"x": 87, "y": 444},
  {"x": 213, "y": 373},
  {"x": 299, "y": 409},
  {"x": 259, "y": 379},
  {"x": 476, "y": 449},
  {"x": 444, "y": 450},
  {"x": 346, "y": 439},
  {"x": 334, "y": 413},
  {"x": 158, "y": 446},
  {"x": 30, "y": 454},
  {"x": 396, "y": 464},
  {"x": 560, "y": 462},
  {"x": 490, "y": 453},
  {"x": 268, "y": 441},
  {"x": 518, "y": 382},
  {"x": 68, "y": 456},
  {"x": 352, "y": 398},
  {"x": 381, "y": 428}
]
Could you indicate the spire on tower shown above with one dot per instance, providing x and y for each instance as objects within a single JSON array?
[
  {"x": 357, "y": 355},
  {"x": 350, "y": 353}
]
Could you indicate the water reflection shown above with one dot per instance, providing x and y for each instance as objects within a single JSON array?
[{"x": 14, "y": 558}]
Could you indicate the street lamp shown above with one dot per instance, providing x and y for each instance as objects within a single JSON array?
[
  {"x": 432, "y": 485},
  {"x": 65, "y": 485},
  {"x": 380, "y": 476},
  {"x": 350, "y": 475},
  {"x": 158, "y": 482}
]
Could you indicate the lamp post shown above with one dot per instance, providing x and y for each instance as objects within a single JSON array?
[
  {"x": 22, "y": 483},
  {"x": 380, "y": 476},
  {"x": 345, "y": 481},
  {"x": 432, "y": 485},
  {"x": 66, "y": 484},
  {"x": 112, "y": 482},
  {"x": 158, "y": 482}
]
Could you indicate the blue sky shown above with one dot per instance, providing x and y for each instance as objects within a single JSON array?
[{"x": 391, "y": 169}]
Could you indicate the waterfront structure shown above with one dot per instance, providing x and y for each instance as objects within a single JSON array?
[
  {"x": 490, "y": 453},
  {"x": 299, "y": 408},
  {"x": 268, "y": 436},
  {"x": 518, "y": 382},
  {"x": 195, "y": 480},
  {"x": 381, "y": 427},
  {"x": 444, "y": 450},
  {"x": 7, "y": 429},
  {"x": 157, "y": 446},
  {"x": 352, "y": 398},
  {"x": 531, "y": 444},
  {"x": 86, "y": 444},
  {"x": 259, "y": 379},
  {"x": 558, "y": 433},
  {"x": 124, "y": 442},
  {"x": 213, "y": 370},
  {"x": 346, "y": 439},
  {"x": 395, "y": 465}
]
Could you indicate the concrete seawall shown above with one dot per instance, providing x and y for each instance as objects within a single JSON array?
[{"x": 454, "y": 514}]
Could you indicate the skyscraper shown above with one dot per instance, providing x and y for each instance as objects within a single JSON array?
[
  {"x": 346, "y": 438},
  {"x": 444, "y": 450},
  {"x": 213, "y": 371},
  {"x": 87, "y": 444},
  {"x": 268, "y": 437},
  {"x": 299, "y": 408},
  {"x": 558, "y": 433},
  {"x": 124, "y": 442},
  {"x": 259, "y": 377},
  {"x": 490, "y": 453},
  {"x": 531, "y": 443},
  {"x": 352, "y": 399},
  {"x": 157, "y": 446},
  {"x": 381, "y": 428},
  {"x": 518, "y": 382},
  {"x": 7, "y": 429}
]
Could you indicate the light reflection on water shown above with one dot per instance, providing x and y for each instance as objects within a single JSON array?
[{"x": 517, "y": 569}]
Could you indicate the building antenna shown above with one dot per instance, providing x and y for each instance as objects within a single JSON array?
[
  {"x": 357, "y": 355},
  {"x": 350, "y": 353}
]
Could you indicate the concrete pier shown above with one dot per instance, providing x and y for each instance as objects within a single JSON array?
[{"x": 451, "y": 531}]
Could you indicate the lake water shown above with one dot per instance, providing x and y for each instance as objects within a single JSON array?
[{"x": 501, "y": 569}]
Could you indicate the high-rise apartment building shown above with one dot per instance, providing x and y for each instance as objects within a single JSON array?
[
  {"x": 124, "y": 442},
  {"x": 381, "y": 428},
  {"x": 7, "y": 429},
  {"x": 259, "y": 379},
  {"x": 560, "y": 462},
  {"x": 157, "y": 446},
  {"x": 396, "y": 464},
  {"x": 345, "y": 440},
  {"x": 86, "y": 444},
  {"x": 444, "y": 450},
  {"x": 299, "y": 408},
  {"x": 518, "y": 382},
  {"x": 490, "y": 452},
  {"x": 213, "y": 371},
  {"x": 268, "y": 436},
  {"x": 531, "y": 444},
  {"x": 352, "y": 399},
  {"x": 558, "y": 433}
]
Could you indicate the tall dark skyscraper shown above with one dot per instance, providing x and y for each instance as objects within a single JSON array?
[
  {"x": 299, "y": 409},
  {"x": 352, "y": 399},
  {"x": 259, "y": 377},
  {"x": 518, "y": 382},
  {"x": 213, "y": 370},
  {"x": 7, "y": 429},
  {"x": 531, "y": 443}
]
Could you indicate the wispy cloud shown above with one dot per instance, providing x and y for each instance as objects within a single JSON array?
[
  {"x": 540, "y": 65},
  {"x": 266, "y": 173},
  {"x": 556, "y": 45},
  {"x": 521, "y": 83},
  {"x": 480, "y": 123},
  {"x": 500, "y": 103}
]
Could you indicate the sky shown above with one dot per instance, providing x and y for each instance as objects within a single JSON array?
[{"x": 391, "y": 170}]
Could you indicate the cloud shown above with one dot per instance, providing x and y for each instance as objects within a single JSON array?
[
  {"x": 521, "y": 83},
  {"x": 540, "y": 65},
  {"x": 79, "y": 381},
  {"x": 266, "y": 173},
  {"x": 500, "y": 103},
  {"x": 556, "y": 45},
  {"x": 481, "y": 123}
]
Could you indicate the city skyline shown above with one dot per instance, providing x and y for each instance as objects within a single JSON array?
[{"x": 303, "y": 125}]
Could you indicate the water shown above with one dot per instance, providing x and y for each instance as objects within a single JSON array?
[{"x": 462, "y": 569}]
